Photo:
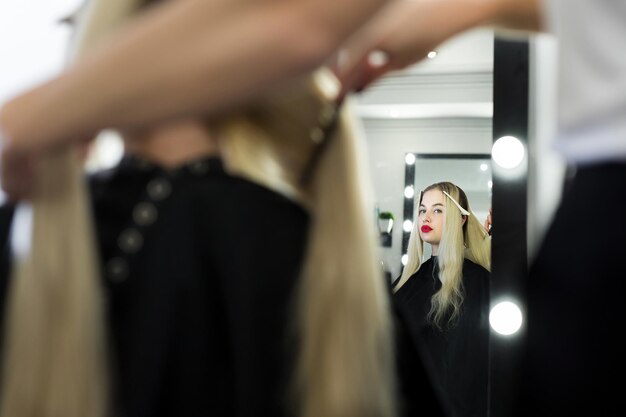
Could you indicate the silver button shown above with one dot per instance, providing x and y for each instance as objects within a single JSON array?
[
  {"x": 199, "y": 167},
  {"x": 159, "y": 189},
  {"x": 317, "y": 135},
  {"x": 130, "y": 240},
  {"x": 145, "y": 214},
  {"x": 117, "y": 269}
]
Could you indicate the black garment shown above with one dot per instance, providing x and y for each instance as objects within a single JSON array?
[
  {"x": 418, "y": 395},
  {"x": 459, "y": 352},
  {"x": 200, "y": 269},
  {"x": 199, "y": 296},
  {"x": 575, "y": 355},
  {"x": 200, "y": 325}
]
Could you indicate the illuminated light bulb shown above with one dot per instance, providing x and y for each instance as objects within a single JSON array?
[
  {"x": 505, "y": 318},
  {"x": 508, "y": 152}
]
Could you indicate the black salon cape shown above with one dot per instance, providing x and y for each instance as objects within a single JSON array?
[
  {"x": 459, "y": 354},
  {"x": 199, "y": 309},
  {"x": 198, "y": 321}
]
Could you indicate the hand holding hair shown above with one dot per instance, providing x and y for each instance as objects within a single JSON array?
[{"x": 488, "y": 222}]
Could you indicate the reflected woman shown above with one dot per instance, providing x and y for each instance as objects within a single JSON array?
[{"x": 446, "y": 298}]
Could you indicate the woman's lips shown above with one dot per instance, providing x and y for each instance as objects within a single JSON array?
[{"x": 426, "y": 229}]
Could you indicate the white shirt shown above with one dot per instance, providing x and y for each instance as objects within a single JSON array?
[{"x": 592, "y": 78}]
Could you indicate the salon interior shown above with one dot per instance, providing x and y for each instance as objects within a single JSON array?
[{"x": 471, "y": 113}]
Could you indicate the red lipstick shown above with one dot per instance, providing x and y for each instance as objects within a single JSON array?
[{"x": 426, "y": 229}]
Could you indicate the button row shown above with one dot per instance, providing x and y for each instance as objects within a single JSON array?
[{"x": 131, "y": 240}]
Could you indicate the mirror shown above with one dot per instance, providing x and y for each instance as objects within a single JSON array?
[
  {"x": 459, "y": 105},
  {"x": 471, "y": 172},
  {"x": 429, "y": 123},
  {"x": 441, "y": 106}
]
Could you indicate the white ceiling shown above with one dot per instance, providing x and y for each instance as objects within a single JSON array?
[{"x": 458, "y": 82}]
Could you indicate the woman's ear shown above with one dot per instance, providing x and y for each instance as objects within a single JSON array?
[{"x": 463, "y": 220}]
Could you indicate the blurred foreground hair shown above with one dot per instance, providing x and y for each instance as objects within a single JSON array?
[{"x": 55, "y": 360}]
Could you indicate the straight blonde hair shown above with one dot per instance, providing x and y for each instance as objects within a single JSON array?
[
  {"x": 345, "y": 358},
  {"x": 55, "y": 361},
  {"x": 55, "y": 353},
  {"x": 458, "y": 241}
]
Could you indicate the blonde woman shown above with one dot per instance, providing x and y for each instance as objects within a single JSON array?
[
  {"x": 446, "y": 297},
  {"x": 230, "y": 266}
]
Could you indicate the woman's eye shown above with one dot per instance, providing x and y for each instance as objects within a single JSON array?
[
  {"x": 421, "y": 211},
  {"x": 438, "y": 211}
]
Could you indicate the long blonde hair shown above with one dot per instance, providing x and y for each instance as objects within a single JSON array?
[
  {"x": 344, "y": 365},
  {"x": 55, "y": 363},
  {"x": 55, "y": 353},
  {"x": 459, "y": 240}
]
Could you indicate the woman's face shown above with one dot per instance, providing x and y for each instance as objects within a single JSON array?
[{"x": 431, "y": 218}]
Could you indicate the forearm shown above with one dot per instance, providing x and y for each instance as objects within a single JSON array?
[
  {"x": 192, "y": 58},
  {"x": 518, "y": 14},
  {"x": 406, "y": 30},
  {"x": 460, "y": 15},
  {"x": 468, "y": 14}
]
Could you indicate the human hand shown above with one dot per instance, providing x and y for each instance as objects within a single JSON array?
[
  {"x": 488, "y": 221},
  {"x": 402, "y": 34},
  {"x": 16, "y": 171},
  {"x": 20, "y": 160}
]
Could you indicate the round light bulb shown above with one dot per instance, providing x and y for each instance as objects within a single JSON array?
[
  {"x": 407, "y": 225},
  {"x": 409, "y": 191},
  {"x": 505, "y": 318},
  {"x": 508, "y": 152},
  {"x": 409, "y": 159}
]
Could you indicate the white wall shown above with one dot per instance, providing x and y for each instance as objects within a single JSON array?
[
  {"x": 32, "y": 42},
  {"x": 546, "y": 167}
]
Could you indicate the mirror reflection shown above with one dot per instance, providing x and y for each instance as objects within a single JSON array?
[
  {"x": 470, "y": 172},
  {"x": 441, "y": 106},
  {"x": 445, "y": 295},
  {"x": 429, "y": 124}
]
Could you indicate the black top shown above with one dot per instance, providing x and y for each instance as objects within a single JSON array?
[
  {"x": 199, "y": 277},
  {"x": 458, "y": 352},
  {"x": 199, "y": 269}
]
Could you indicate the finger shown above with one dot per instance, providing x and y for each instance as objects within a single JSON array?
[
  {"x": 372, "y": 74},
  {"x": 17, "y": 174},
  {"x": 361, "y": 74}
]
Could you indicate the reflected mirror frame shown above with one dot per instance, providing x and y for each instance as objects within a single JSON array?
[{"x": 409, "y": 180}]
